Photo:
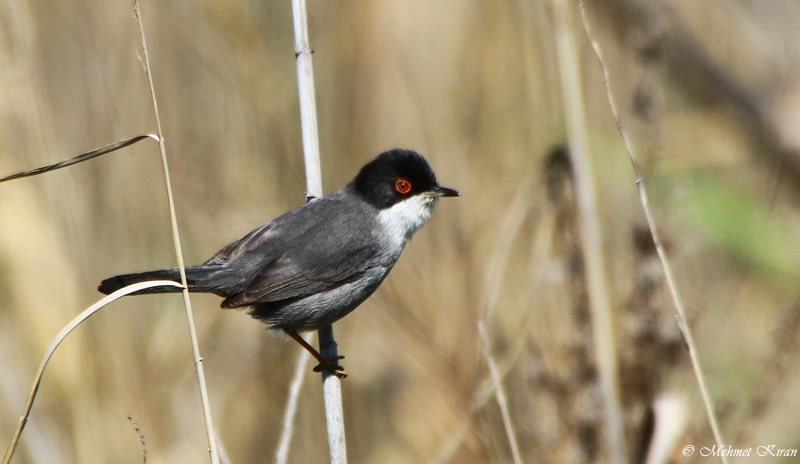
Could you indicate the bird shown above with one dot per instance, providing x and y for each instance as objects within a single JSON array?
[{"x": 316, "y": 263}]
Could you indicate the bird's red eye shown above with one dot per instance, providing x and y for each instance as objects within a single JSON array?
[{"x": 402, "y": 186}]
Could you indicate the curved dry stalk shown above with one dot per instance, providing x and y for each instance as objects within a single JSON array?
[
  {"x": 662, "y": 255},
  {"x": 57, "y": 341}
]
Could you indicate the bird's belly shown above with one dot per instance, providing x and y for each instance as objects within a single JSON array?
[{"x": 320, "y": 309}]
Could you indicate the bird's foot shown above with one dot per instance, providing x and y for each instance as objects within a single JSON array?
[
  {"x": 332, "y": 366},
  {"x": 325, "y": 364}
]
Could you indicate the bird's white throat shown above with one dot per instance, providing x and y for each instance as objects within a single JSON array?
[{"x": 401, "y": 220}]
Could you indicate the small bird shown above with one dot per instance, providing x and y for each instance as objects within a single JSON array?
[{"x": 315, "y": 264}]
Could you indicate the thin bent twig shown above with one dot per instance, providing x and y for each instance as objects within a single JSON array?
[
  {"x": 662, "y": 255},
  {"x": 80, "y": 158},
  {"x": 500, "y": 394},
  {"x": 141, "y": 437}
]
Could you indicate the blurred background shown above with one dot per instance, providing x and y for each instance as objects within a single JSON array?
[{"x": 708, "y": 90}]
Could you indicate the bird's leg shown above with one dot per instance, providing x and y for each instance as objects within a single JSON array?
[{"x": 331, "y": 365}]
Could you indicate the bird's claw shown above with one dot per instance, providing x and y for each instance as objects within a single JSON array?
[{"x": 332, "y": 366}]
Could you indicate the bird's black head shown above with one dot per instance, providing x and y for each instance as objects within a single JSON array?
[{"x": 396, "y": 175}]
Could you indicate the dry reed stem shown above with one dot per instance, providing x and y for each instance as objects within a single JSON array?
[
  {"x": 198, "y": 360},
  {"x": 590, "y": 233},
  {"x": 331, "y": 383},
  {"x": 662, "y": 255},
  {"x": 12, "y": 446}
]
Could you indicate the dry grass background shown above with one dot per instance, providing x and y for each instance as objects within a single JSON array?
[{"x": 709, "y": 91}]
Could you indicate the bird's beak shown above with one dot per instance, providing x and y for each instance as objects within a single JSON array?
[{"x": 443, "y": 192}]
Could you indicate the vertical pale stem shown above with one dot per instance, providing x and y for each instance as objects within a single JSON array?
[
  {"x": 331, "y": 384},
  {"x": 308, "y": 105},
  {"x": 591, "y": 232},
  {"x": 332, "y": 392}
]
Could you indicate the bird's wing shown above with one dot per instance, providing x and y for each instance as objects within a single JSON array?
[
  {"x": 316, "y": 256},
  {"x": 243, "y": 245},
  {"x": 288, "y": 277}
]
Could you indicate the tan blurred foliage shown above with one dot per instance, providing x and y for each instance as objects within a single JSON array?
[{"x": 709, "y": 91}]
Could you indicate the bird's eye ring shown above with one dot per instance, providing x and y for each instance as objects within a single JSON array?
[{"x": 402, "y": 186}]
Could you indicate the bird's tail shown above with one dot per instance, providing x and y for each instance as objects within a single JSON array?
[{"x": 113, "y": 284}]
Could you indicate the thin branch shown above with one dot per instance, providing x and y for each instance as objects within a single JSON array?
[
  {"x": 57, "y": 341},
  {"x": 331, "y": 383},
  {"x": 500, "y": 394},
  {"x": 591, "y": 233},
  {"x": 662, "y": 255},
  {"x": 80, "y": 158},
  {"x": 198, "y": 360}
]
